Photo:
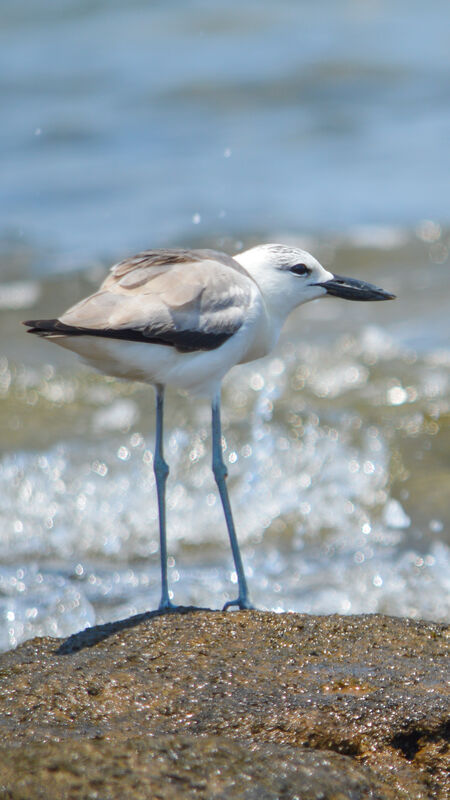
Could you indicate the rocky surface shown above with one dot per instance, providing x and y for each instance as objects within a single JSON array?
[
  {"x": 185, "y": 767},
  {"x": 229, "y": 705}
]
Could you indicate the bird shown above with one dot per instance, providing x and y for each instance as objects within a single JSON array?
[{"x": 183, "y": 318}]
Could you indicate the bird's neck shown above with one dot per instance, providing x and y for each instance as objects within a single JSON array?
[{"x": 278, "y": 302}]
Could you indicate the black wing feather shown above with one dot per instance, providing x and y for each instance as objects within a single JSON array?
[{"x": 184, "y": 341}]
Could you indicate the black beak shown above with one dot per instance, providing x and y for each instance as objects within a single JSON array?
[{"x": 352, "y": 289}]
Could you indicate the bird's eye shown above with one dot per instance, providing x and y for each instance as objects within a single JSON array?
[{"x": 300, "y": 269}]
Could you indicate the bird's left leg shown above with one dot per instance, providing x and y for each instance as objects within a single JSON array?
[
  {"x": 161, "y": 470},
  {"x": 220, "y": 474}
]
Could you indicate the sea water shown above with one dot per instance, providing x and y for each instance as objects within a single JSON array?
[{"x": 227, "y": 124}]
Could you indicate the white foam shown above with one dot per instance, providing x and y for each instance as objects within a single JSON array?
[{"x": 310, "y": 482}]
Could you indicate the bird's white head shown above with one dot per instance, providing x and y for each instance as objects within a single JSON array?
[{"x": 289, "y": 276}]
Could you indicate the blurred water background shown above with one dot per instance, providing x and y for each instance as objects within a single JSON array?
[{"x": 134, "y": 125}]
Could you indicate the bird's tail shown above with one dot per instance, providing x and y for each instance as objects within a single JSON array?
[{"x": 49, "y": 327}]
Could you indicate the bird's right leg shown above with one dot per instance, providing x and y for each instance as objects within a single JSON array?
[
  {"x": 161, "y": 470},
  {"x": 220, "y": 474}
]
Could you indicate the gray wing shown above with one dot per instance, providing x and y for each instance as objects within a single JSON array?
[{"x": 190, "y": 299}]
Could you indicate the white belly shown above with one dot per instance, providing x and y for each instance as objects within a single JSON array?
[{"x": 199, "y": 372}]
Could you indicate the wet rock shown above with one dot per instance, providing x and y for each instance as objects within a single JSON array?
[
  {"x": 188, "y": 767},
  {"x": 242, "y": 704}
]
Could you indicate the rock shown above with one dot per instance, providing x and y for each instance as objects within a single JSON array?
[
  {"x": 184, "y": 766},
  {"x": 226, "y": 705}
]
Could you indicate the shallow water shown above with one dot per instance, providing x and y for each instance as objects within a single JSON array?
[
  {"x": 337, "y": 448},
  {"x": 136, "y": 126}
]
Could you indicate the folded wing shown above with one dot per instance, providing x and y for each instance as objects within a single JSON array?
[{"x": 187, "y": 299}]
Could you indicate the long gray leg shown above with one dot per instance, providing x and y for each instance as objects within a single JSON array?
[
  {"x": 161, "y": 470},
  {"x": 220, "y": 474}
]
